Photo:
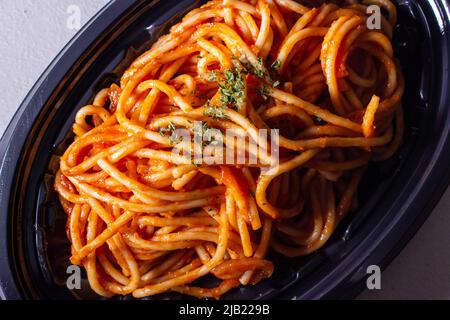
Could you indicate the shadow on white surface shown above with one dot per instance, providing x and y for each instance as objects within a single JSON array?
[{"x": 422, "y": 270}]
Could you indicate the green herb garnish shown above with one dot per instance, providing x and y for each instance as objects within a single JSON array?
[
  {"x": 276, "y": 65},
  {"x": 211, "y": 76},
  {"x": 171, "y": 134},
  {"x": 215, "y": 112},
  {"x": 264, "y": 91},
  {"x": 232, "y": 88}
]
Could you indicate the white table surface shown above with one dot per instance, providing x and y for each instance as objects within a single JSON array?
[{"x": 32, "y": 32}]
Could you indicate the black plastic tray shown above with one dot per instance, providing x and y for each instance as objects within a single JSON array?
[{"x": 397, "y": 196}]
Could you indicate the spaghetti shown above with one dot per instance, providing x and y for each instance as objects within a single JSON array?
[{"x": 143, "y": 221}]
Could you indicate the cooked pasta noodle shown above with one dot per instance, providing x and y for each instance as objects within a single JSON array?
[{"x": 143, "y": 220}]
